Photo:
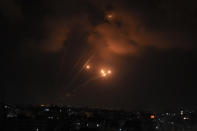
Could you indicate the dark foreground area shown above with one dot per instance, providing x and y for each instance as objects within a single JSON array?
[{"x": 66, "y": 118}]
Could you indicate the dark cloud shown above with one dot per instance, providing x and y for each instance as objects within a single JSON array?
[
  {"x": 11, "y": 9},
  {"x": 127, "y": 27},
  {"x": 150, "y": 44}
]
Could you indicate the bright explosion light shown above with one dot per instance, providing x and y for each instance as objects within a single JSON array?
[
  {"x": 109, "y": 17},
  {"x": 87, "y": 66},
  {"x": 105, "y": 72},
  {"x": 109, "y": 71}
]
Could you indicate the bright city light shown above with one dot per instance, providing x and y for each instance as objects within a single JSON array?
[{"x": 152, "y": 116}]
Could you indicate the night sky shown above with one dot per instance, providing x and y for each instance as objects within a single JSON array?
[{"x": 149, "y": 45}]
